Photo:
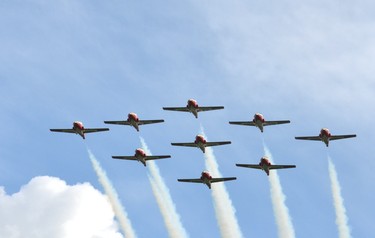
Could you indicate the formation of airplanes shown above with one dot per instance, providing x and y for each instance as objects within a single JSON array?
[{"x": 200, "y": 142}]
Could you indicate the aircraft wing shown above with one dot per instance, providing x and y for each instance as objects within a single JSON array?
[
  {"x": 90, "y": 130},
  {"x": 242, "y": 123},
  {"x": 253, "y": 166},
  {"x": 217, "y": 143},
  {"x": 154, "y": 157},
  {"x": 145, "y": 122},
  {"x": 190, "y": 180},
  {"x": 117, "y": 122},
  {"x": 202, "y": 109},
  {"x": 308, "y": 138},
  {"x": 270, "y": 123},
  {"x": 125, "y": 157},
  {"x": 188, "y": 144},
  {"x": 281, "y": 166},
  {"x": 63, "y": 130},
  {"x": 215, "y": 180},
  {"x": 338, "y": 137},
  {"x": 179, "y": 109}
]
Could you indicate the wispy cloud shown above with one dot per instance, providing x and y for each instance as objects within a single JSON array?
[
  {"x": 282, "y": 216},
  {"x": 163, "y": 198},
  {"x": 117, "y": 207},
  {"x": 224, "y": 209},
  {"x": 338, "y": 202}
]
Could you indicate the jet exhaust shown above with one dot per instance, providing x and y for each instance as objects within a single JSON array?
[
  {"x": 338, "y": 202},
  {"x": 282, "y": 216},
  {"x": 110, "y": 191},
  {"x": 163, "y": 198},
  {"x": 224, "y": 209}
]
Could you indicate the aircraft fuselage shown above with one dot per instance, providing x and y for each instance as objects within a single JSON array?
[
  {"x": 79, "y": 128},
  {"x": 200, "y": 141},
  {"x": 140, "y": 155},
  {"x": 325, "y": 135},
  {"x": 258, "y": 121},
  {"x": 193, "y": 107},
  {"x": 133, "y": 120}
]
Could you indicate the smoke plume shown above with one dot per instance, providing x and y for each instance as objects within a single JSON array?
[
  {"x": 110, "y": 191},
  {"x": 163, "y": 198},
  {"x": 338, "y": 202},
  {"x": 282, "y": 217},
  {"x": 224, "y": 209}
]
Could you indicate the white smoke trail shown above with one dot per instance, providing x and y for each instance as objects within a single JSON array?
[
  {"x": 164, "y": 200},
  {"x": 338, "y": 202},
  {"x": 283, "y": 219},
  {"x": 118, "y": 209},
  {"x": 224, "y": 209}
]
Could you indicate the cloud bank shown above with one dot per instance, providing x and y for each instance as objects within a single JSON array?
[{"x": 48, "y": 207}]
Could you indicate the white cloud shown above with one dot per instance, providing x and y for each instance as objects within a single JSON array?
[{"x": 48, "y": 207}]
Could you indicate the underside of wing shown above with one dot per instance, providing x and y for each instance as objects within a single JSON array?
[
  {"x": 90, "y": 130},
  {"x": 63, "y": 130},
  {"x": 215, "y": 180},
  {"x": 208, "y": 144},
  {"x": 282, "y": 166},
  {"x": 125, "y": 157},
  {"x": 190, "y": 180},
  {"x": 145, "y": 122},
  {"x": 308, "y": 138},
  {"x": 338, "y": 137},
  {"x": 189, "y": 144},
  {"x": 252, "y": 166},
  {"x": 242, "y": 123},
  {"x": 117, "y": 122},
  {"x": 178, "y": 109},
  {"x": 270, "y": 123},
  {"x": 202, "y": 109},
  {"x": 154, "y": 157}
]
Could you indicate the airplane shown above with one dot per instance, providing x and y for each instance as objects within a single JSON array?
[
  {"x": 325, "y": 136},
  {"x": 133, "y": 121},
  {"x": 265, "y": 165},
  {"x": 259, "y": 122},
  {"x": 207, "y": 179},
  {"x": 192, "y": 106},
  {"x": 201, "y": 143},
  {"x": 141, "y": 156},
  {"x": 79, "y": 129}
]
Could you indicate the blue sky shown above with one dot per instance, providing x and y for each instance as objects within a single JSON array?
[{"x": 310, "y": 62}]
